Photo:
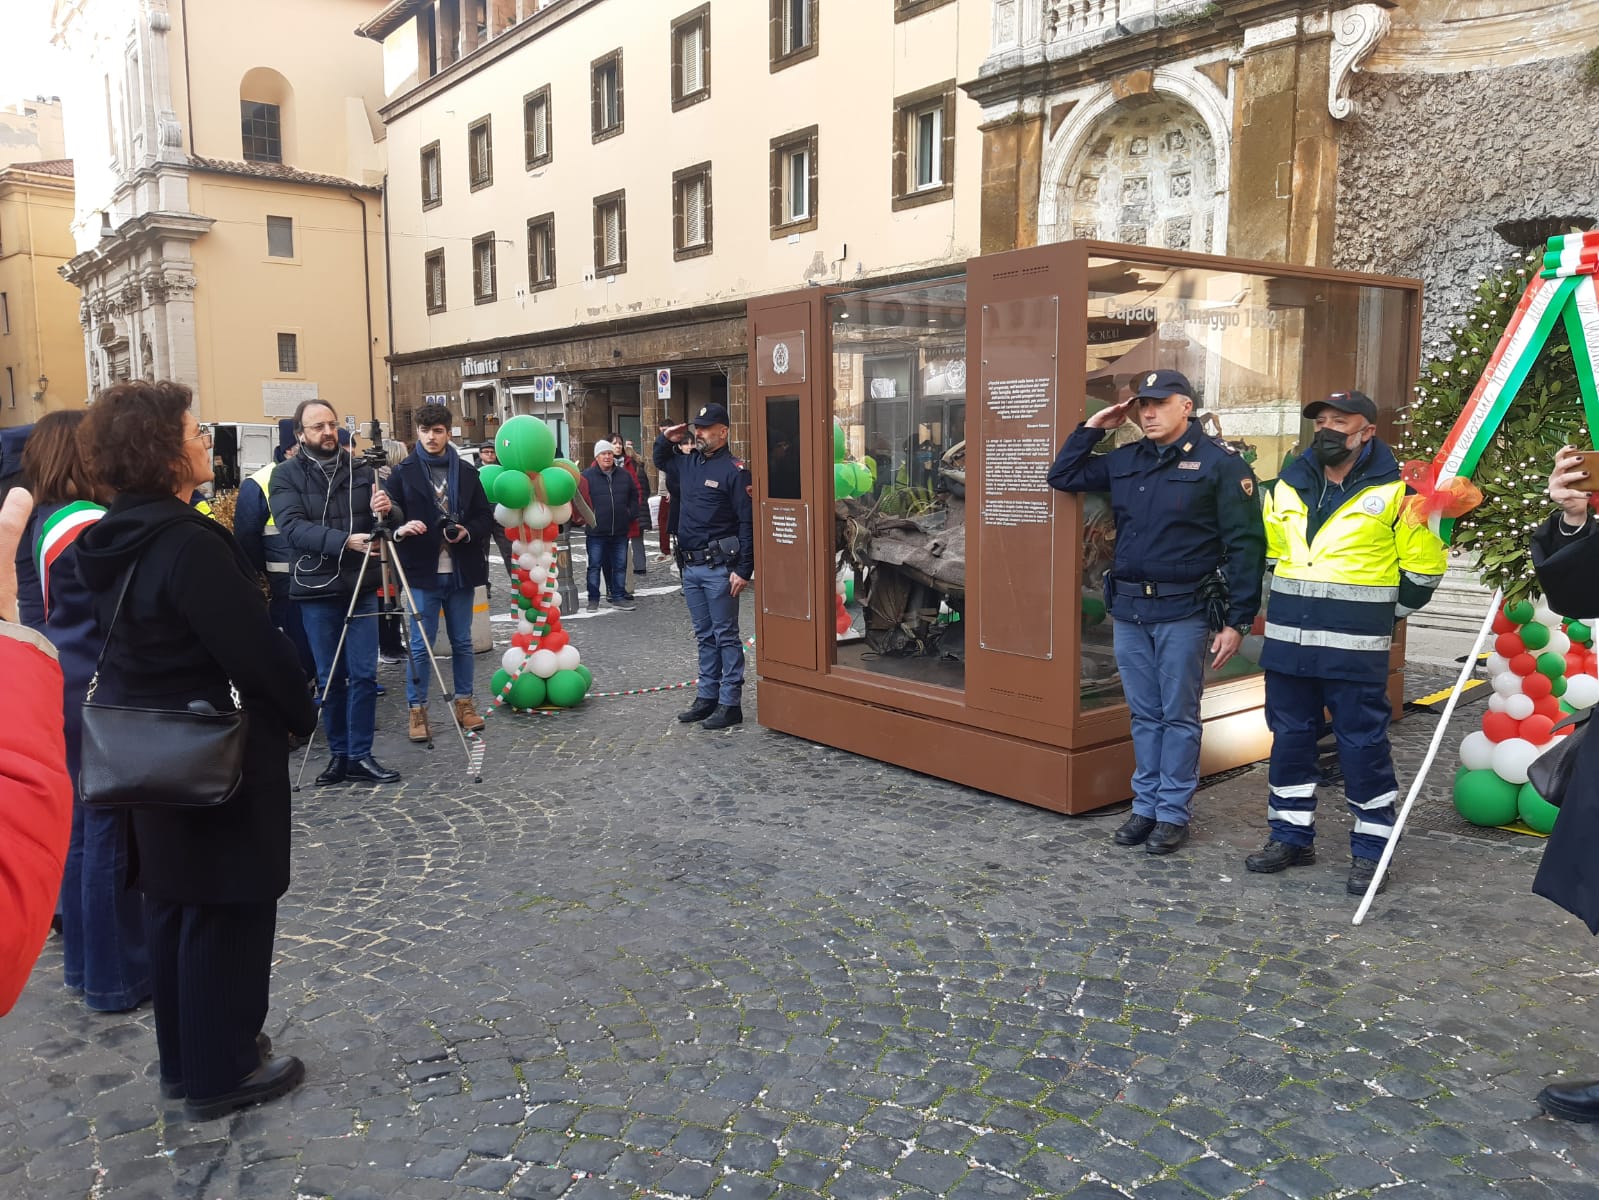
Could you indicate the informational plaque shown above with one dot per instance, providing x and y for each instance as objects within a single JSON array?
[
  {"x": 1014, "y": 505},
  {"x": 784, "y": 559},
  {"x": 780, "y": 359}
]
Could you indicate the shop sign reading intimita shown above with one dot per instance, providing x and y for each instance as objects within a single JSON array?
[{"x": 472, "y": 367}]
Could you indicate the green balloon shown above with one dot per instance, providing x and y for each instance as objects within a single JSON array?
[
  {"x": 525, "y": 443},
  {"x": 842, "y": 481},
  {"x": 1536, "y": 812},
  {"x": 486, "y": 475},
  {"x": 513, "y": 489},
  {"x": 1579, "y": 633},
  {"x": 1552, "y": 665},
  {"x": 559, "y": 487},
  {"x": 1093, "y": 610},
  {"x": 528, "y": 691},
  {"x": 1557, "y": 686},
  {"x": 1483, "y": 798},
  {"x": 588, "y": 676},
  {"x": 567, "y": 688},
  {"x": 1520, "y": 612},
  {"x": 839, "y": 450},
  {"x": 1534, "y": 636},
  {"x": 501, "y": 678}
]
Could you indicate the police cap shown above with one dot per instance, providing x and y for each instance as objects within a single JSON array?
[
  {"x": 1157, "y": 385},
  {"x": 711, "y": 414}
]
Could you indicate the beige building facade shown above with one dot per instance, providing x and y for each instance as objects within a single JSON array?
[
  {"x": 586, "y": 193},
  {"x": 228, "y": 224},
  {"x": 41, "y": 343},
  {"x": 31, "y": 131}
]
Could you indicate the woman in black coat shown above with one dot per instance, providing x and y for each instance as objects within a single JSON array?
[
  {"x": 1565, "y": 555},
  {"x": 193, "y": 621}
]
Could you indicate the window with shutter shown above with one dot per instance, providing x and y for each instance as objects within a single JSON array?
[
  {"x": 694, "y": 212},
  {"x": 799, "y": 192},
  {"x": 480, "y": 147},
  {"x": 610, "y": 233},
  {"x": 536, "y": 127},
  {"x": 541, "y": 252},
  {"x": 432, "y": 191},
  {"x": 280, "y": 237},
  {"x": 607, "y": 95},
  {"x": 434, "y": 270},
  {"x": 693, "y": 58},
  {"x": 613, "y": 235},
  {"x": 483, "y": 290},
  {"x": 924, "y": 146},
  {"x": 541, "y": 130}
]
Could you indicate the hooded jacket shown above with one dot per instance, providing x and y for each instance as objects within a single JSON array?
[{"x": 193, "y": 620}]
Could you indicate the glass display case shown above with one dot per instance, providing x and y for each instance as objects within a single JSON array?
[{"x": 923, "y": 596}]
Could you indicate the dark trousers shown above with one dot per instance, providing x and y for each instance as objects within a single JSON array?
[
  {"x": 211, "y": 967},
  {"x": 607, "y": 554}
]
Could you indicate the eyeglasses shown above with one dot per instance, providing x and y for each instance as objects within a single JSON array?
[
  {"x": 321, "y": 427},
  {"x": 205, "y": 436}
]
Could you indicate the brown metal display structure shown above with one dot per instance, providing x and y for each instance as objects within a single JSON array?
[{"x": 1019, "y": 727}]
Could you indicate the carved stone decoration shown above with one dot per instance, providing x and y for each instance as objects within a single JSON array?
[
  {"x": 1356, "y": 32},
  {"x": 1004, "y": 23}
]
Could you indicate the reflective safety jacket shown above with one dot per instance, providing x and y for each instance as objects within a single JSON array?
[
  {"x": 256, "y": 531},
  {"x": 1348, "y": 566}
]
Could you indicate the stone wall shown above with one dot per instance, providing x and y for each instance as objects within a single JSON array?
[{"x": 1429, "y": 164}]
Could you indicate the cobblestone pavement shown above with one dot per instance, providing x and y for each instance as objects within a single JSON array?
[{"x": 642, "y": 960}]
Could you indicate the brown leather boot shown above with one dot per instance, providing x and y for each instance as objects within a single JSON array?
[
  {"x": 419, "y": 724},
  {"x": 466, "y": 714}
]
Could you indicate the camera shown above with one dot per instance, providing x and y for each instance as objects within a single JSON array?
[
  {"x": 452, "y": 528},
  {"x": 375, "y": 457}
]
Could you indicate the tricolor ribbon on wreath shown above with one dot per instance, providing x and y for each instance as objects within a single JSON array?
[{"x": 1566, "y": 290}]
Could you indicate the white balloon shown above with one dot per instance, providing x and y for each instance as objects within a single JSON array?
[
  {"x": 1519, "y": 706},
  {"x": 508, "y": 518},
  {"x": 1507, "y": 683},
  {"x": 523, "y": 625},
  {"x": 1544, "y": 615},
  {"x": 561, "y": 514},
  {"x": 554, "y": 602},
  {"x": 1582, "y": 691},
  {"x": 1496, "y": 664},
  {"x": 567, "y": 657},
  {"x": 1512, "y": 757},
  {"x": 1476, "y": 751},
  {"x": 528, "y": 562},
  {"x": 1558, "y": 642},
  {"x": 517, "y": 546},
  {"x": 543, "y": 663},
  {"x": 538, "y": 515},
  {"x": 513, "y": 659}
]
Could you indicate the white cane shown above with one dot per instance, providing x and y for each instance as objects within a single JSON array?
[{"x": 1426, "y": 763}]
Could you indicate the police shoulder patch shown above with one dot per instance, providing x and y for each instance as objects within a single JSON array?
[{"x": 1248, "y": 485}]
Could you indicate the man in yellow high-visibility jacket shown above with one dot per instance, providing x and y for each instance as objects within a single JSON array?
[{"x": 1349, "y": 563}]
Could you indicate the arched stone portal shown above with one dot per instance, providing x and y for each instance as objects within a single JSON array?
[{"x": 1143, "y": 172}]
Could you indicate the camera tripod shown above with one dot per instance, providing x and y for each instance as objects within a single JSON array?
[{"x": 383, "y": 536}]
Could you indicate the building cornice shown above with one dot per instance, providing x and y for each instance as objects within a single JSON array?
[
  {"x": 486, "y": 55},
  {"x": 1029, "y": 73},
  {"x": 390, "y": 19},
  {"x": 277, "y": 173},
  {"x": 145, "y": 230}
]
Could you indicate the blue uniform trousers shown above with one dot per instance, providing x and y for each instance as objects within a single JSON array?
[
  {"x": 1162, "y": 665},
  {"x": 350, "y": 710},
  {"x": 1360, "y": 714},
  {"x": 714, "y": 613}
]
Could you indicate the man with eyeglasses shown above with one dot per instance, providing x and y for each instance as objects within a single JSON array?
[{"x": 324, "y": 500}]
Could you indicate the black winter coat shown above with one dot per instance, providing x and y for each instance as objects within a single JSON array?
[
  {"x": 194, "y": 618},
  {"x": 410, "y": 486},
  {"x": 614, "y": 499},
  {"x": 315, "y": 515},
  {"x": 1568, "y": 573}
]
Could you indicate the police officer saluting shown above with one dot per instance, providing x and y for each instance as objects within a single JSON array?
[
  {"x": 716, "y": 554},
  {"x": 1187, "y": 523}
]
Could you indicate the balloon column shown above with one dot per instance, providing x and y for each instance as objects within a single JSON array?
[
  {"x": 849, "y": 478},
  {"x": 1542, "y": 667},
  {"x": 532, "y": 492}
]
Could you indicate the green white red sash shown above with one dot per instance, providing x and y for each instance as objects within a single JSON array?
[
  {"x": 1565, "y": 291},
  {"x": 60, "y": 531}
]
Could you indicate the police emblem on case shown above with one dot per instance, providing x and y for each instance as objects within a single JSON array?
[
  {"x": 780, "y": 358},
  {"x": 1373, "y": 505},
  {"x": 1149, "y": 380}
]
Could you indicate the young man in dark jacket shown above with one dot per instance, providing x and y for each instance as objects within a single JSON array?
[
  {"x": 446, "y": 522},
  {"x": 614, "y": 497},
  {"x": 323, "y": 504}
]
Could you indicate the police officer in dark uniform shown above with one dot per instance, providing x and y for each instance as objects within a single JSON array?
[
  {"x": 1189, "y": 542},
  {"x": 716, "y": 554}
]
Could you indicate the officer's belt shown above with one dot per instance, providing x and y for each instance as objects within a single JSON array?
[
  {"x": 709, "y": 555},
  {"x": 1153, "y": 588}
]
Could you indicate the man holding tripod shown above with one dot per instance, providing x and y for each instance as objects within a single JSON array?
[
  {"x": 323, "y": 502},
  {"x": 447, "y": 520}
]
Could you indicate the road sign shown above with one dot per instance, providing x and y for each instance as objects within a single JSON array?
[
  {"x": 549, "y": 387},
  {"x": 663, "y": 383},
  {"x": 538, "y": 387}
]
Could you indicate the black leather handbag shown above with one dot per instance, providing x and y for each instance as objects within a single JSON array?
[
  {"x": 1550, "y": 773},
  {"x": 158, "y": 757}
]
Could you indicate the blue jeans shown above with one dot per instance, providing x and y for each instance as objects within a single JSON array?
[
  {"x": 714, "y": 613},
  {"x": 350, "y": 708},
  {"x": 103, "y": 948},
  {"x": 456, "y": 602},
  {"x": 1360, "y": 715},
  {"x": 1163, "y": 671},
  {"x": 607, "y": 552}
]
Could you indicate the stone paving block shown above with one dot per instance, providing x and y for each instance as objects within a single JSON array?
[
  {"x": 1214, "y": 1178},
  {"x": 933, "y": 1171},
  {"x": 855, "y": 1183},
  {"x": 803, "y": 1170}
]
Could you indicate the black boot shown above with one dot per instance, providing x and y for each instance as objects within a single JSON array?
[
  {"x": 1571, "y": 1101},
  {"x": 174, "y": 1089},
  {"x": 370, "y": 770},
  {"x": 267, "y": 1082},
  {"x": 701, "y": 709},
  {"x": 1133, "y": 830},
  {"x": 336, "y": 772},
  {"x": 724, "y": 716},
  {"x": 1361, "y": 871},
  {"x": 1276, "y": 856},
  {"x": 1167, "y": 837}
]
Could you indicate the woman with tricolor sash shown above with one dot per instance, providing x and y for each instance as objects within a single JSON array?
[{"x": 102, "y": 928}]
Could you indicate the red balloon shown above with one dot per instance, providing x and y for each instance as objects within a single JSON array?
[
  {"x": 1508, "y": 645},
  {"x": 553, "y": 532},
  {"x": 1537, "y": 685},
  {"x": 1536, "y": 729},
  {"x": 1549, "y": 707},
  {"x": 1523, "y": 664},
  {"x": 528, "y": 589},
  {"x": 1575, "y": 662},
  {"x": 1499, "y": 726},
  {"x": 556, "y": 641},
  {"x": 1503, "y": 624},
  {"x": 522, "y": 641}
]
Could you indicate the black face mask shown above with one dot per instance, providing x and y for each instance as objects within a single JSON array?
[{"x": 1329, "y": 447}]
